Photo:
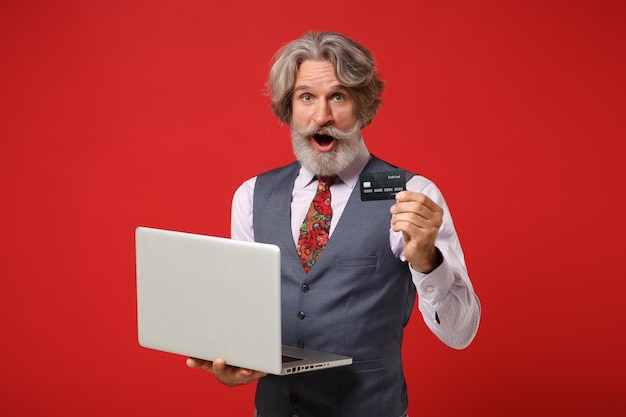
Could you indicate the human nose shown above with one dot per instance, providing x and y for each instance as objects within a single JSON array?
[{"x": 323, "y": 115}]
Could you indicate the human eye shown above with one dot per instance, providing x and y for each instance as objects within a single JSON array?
[
  {"x": 306, "y": 97},
  {"x": 338, "y": 97}
]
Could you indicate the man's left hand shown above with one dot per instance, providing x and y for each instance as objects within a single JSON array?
[{"x": 419, "y": 219}]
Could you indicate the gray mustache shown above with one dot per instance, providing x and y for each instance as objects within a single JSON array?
[{"x": 328, "y": 130}]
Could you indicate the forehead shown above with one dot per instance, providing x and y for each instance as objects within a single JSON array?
[{"x": 314, "y": 73}]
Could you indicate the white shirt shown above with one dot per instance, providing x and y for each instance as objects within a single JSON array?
[{"x": 446, "y": 298}]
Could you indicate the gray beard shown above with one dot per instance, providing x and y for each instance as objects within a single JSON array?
[{"x": 326, "y": 163}]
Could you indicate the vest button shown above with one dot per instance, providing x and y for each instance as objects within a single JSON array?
[
  {"x": 293, "y": 398},
  {"x": 301, "y": 315},
  {"x": 305, "y": 288},
  {"x": 300, "y": 343}
]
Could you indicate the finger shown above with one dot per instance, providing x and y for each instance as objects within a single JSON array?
[
  {"x": 219, "y": 366},
  {"x": 196, "y": 363},
  {"x": 416, "y": 214},
  {"x": 234, "y": 376},
  {"x": 411, "y": 232},
  {"x": 409, "y": 208},
  {"x": 409, "y": 196},
  {"x": 420, "y": 220},
  {"x": 221, "y": 370}
]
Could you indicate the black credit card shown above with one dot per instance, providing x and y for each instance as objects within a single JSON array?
[{"x": 381, "y": 185}]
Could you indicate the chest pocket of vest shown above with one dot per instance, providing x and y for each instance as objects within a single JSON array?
[{"x": 355, "y": 262}]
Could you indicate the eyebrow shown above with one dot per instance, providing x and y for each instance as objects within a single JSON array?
[{"x": 308, "y": 87}]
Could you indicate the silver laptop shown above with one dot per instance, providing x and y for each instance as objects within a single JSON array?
[{"x": 210, "y": 297}]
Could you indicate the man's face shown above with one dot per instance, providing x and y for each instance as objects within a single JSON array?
[{"x": 325, "y": 131}]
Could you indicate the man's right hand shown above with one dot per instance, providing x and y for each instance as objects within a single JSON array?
[{"x": 228, "y": 375}]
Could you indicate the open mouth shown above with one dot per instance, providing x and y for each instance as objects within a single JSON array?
[{"x": 323, "y": 140}]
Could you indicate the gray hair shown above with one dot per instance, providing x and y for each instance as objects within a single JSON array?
[{"x": 355, "y": 69}]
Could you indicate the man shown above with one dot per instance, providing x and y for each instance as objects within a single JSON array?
[{"x": 376, "y": 256}]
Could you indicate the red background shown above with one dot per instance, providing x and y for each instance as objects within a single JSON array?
[{"x": 116, "y": 114}]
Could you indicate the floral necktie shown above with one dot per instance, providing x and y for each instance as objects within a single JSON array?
[{"x": 314, "y": 229}]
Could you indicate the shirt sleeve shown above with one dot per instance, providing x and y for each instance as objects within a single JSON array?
[
  {"x": 446, "y": 298},
  {"x": 241, "y": 226}
]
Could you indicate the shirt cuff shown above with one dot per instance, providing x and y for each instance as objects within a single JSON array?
[{"x": 436, "y": 284}]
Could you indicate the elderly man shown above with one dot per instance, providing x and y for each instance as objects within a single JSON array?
[{"x": 351, "y": 267}]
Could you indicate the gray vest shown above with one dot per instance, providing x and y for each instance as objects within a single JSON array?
[{"x": 355, "y": 301}]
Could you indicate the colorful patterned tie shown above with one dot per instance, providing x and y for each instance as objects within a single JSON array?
[{"x": 314, "y": 229}]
